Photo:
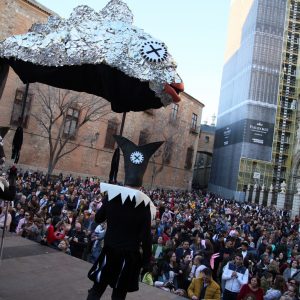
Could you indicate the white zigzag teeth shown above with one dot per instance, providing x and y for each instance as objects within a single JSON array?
[{"x": 125, "y": 192}]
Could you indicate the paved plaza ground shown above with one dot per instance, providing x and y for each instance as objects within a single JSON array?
[{"x": 30, "y": 271}]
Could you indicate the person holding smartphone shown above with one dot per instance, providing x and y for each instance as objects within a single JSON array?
[{"x": 235, "y": 274}]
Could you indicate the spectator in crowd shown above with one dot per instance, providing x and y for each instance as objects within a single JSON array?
[
  {"x": 235, "y": 275},
  {"x": 266, "y": 281},
  {"x": 183, "y": 250},
  {"x": 167, "y": 216},
  {"x": 292, "y": 272},
  {"x": 97, "y": 238},
  {"x": 170, "y": 268},
  {"x": 64, "y": 246},
  {"x": 166, "y": 236},
  {"x": 211, "y": 228},
  {"x": 22, "y": 222},
  {"x": 150, "y": 273},
  {"x": 204, "y": 287},
  {"x": 158, "y": 249},
  {"x": 55, "y": 232},
  {"x": 252, "y": 289},
  {"x": 196, "y": 245},
  {"x": 185, "y": 266},
  {"x": 78, "y": 240},
  {"x": 5, "y": 214},
  {"x": 275, "y": 292},
  {"x": 263, "y": 265},
  {"x": 197, "y": 267},
  {"x": 17, "y": 214}
]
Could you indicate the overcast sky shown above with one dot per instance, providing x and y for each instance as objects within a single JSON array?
[{"x": 194, "y": 30}]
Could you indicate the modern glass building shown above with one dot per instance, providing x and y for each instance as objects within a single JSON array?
[{"x": 254, "y": 131}]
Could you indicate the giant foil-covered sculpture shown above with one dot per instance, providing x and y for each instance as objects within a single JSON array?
[
  {"x": 101, "y": 53},
  {"x": 104, "y": 54}
]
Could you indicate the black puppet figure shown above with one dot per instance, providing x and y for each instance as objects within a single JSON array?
[
  {"x": 17, "y": 144},
  {"x": 128, "y": 213},
  {"x": 7, "y": 185}
]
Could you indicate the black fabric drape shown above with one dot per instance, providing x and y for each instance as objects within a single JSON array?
[
  {"x": 4, "y": 67},
  {"x": 124, "y": 92},
  {"x": 17, "y": 144},
  {"x": 114, "y": 168}
]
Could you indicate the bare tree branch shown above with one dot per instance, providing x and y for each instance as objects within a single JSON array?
[
  {"x": 53, "y": 109},
  {"x": 171, "y": 131}
]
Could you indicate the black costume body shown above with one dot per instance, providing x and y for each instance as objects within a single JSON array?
[
  {"x": 128, "y": 213},
  {"x": 8, "y": 194},
  {"x": 128, "y": 230}
]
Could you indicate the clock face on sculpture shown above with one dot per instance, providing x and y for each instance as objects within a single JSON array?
[
  {"x": 136, "y": 157},
  {"x": 154, "y": 51}
]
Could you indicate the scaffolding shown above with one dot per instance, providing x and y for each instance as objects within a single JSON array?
[{"x": 279, "y": 169}]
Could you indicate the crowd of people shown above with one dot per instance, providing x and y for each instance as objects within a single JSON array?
[{"x": 203, "y": 246}]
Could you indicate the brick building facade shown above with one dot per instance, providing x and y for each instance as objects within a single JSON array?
[
  {"x": 177, "y": 125},
  {"x": 203, "y": 159}
]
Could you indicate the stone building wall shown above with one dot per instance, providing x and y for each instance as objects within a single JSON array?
[{"x": 93, "y": 159}]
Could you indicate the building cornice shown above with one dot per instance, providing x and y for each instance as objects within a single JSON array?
[
  {"x": 40, "y": 7},
  {"x": 188, "y": 96}
]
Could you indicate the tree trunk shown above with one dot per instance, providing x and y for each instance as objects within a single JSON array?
[{"x": 50, "y": 170}]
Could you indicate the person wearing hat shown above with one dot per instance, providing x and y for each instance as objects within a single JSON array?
[{"x": 128, "y": 213}]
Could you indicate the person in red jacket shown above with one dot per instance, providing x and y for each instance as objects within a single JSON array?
[
  {"x": 252, "y": 290},
  {"x": 55, "y": 232}
]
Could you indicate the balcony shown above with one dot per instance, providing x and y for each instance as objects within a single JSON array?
[{"x": 195, "y": 129}]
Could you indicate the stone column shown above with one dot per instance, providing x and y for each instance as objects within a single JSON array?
[
  {"x": 296, "y": 202},
  {"x": 254, "y": 193},
  {"x": 270, "y": 195},
  {"x": 261, "y": 195},
  {"x": 247, "y": 193},
  {"x": 281, "y": 196},
  {"x": 280, "y": 201},
  {"x": 296, "y": 205}
]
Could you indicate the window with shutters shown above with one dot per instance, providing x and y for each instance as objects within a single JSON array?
[
  {"x": 112, "y": 128},
  {"x": 16, "y": 114},
  {"x": 189, "y": 158},
  {"x": 174, "y": 113},
  {"x": 194, "y": 122},
  {"x": 167, "y": 153},
  {"x": 71, "y": 122},
  {"x": 144, "y": 137}
]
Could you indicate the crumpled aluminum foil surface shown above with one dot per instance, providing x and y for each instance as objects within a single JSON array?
[{"x": 90, "y": 37}]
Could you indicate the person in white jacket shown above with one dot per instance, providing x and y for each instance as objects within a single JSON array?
[
  {"x": 2, "y": 218},
  {"x": 235, "y": 275}
]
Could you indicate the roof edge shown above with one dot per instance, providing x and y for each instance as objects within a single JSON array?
[
  {"x": 192, "y": 98},
  {"x": 41, "y": 7}
]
